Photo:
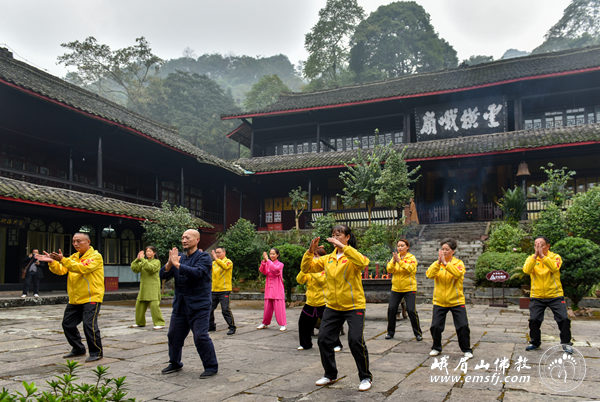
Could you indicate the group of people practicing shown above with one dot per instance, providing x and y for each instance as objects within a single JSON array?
[{"x": 334, "y": 294}]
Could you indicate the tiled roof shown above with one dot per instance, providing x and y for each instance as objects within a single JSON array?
[
  {"x": 458, "y": 79},
  {"x": 242, "y": 134},
  {"x": 32, "y": 79},
  {"x": 438, "y": 149},
  {"x": 21, "y": 191}
]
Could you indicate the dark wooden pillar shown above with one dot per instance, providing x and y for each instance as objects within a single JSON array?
[
  {"x": 309, "y": 206},
  {"x": 252, "y": 143},
  {"x": 181, "y": 190},
  {"x": 156, "y": 189},
  {"x": 318, "y": 137},
  {"x": 518, "y": 114},
  {"x": 224, "y": 206},
  {"x": 70, "y": 165},
  {"x": 99, "y": 164},
  {"x": 241, "y": 197},
  {"x": 406, "y": 128}
]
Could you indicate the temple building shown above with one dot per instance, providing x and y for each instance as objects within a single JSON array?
[
  {"x": 72, "y": 161},
  {"x": 469, "y": 128}
]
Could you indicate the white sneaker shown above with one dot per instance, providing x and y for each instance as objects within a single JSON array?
[
  {"x": 36, "y": 295},
  {"x": 365, "y": 385},
  {"x": 23, "y": 295},
  {"x": 323, "y": 381},
  {"x": 282, "y": 328},
  {"x": 135, "y": 326},
  {"x": 337, "y": 348},
  {"x": 262, "y": 326},
  {"x": 468, "y": 355},
  {"x": 158, "y": 327},
  {"x": 300, "y": 348},
  {"x": 434, "y": 352}
]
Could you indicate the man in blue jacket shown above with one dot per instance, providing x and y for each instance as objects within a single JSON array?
[{"x": 192, "y": 303}]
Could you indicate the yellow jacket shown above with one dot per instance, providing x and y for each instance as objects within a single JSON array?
[
  {"x": 404, "y": 278},
  {"x": 344, "y": 289},
  {"x": 315, "y": 287},
  {"x": 85, "y": 283},
  {"x": 448, "y": 283},
  {"x": 222, "y": 271},
  {"x": 545, "y": 275}
]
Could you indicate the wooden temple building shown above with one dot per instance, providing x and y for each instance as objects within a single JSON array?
[{"x": 469, "y": 129}]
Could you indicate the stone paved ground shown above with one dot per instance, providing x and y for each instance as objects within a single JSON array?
[{"x": 265, "y": 365}]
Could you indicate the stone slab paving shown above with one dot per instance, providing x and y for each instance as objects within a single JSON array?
[{"x": 265, "y": 365}]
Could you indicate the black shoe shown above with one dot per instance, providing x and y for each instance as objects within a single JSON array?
[
  {"x": 567, "y": 348},
  {"x": 389, "y": 336},
  {"x": 531, "y": 347},
  {"x": 231, "y": 331},
  {"x": 93, "y": 358},
  {"x": 212, "y": 329},
  {"x": 419, "y": 338},
  {"x": 170, "y": 369},
  {"x": 207, "y": 374},
  {"x": 74, "y": 353}
]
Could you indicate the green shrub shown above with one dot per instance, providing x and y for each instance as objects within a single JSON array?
[
  {"x": 322, "y": 228},
  {"x": 291, "y": 257},
  {"x": 244, "y": 248},
  {"x": 64, "y": 388},
  {"x": 506, "y": 261},
  {"x": 580, "y": 270},
  {"x": 583, "y": 216},
  {"x": 551, "y": 224},
  {"x": 512, "y": 204},
  {"x": 378, "y": 253},
  {"x": 506, "y": 238},
  {"x": 379, "y": 234}
]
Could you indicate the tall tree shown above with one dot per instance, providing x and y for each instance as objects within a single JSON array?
[
  {"x": 299, "y": 201},
  {"x": 395, "y": 182},
  {"x": 192, "y": 103},
  {"x": 361, "y": 179},
  {"x": 398, "y": 39},
  {"x": 265, "y": 92},
  {"x": 328, "y": 41},
  {"x": 578, "y": 27},
  {"x": 123, "y": 71}
]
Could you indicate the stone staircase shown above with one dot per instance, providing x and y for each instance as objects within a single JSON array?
[{"x": 425, "y": 245}]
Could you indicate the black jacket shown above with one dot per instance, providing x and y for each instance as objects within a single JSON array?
[{"x": 193, "y": 282}]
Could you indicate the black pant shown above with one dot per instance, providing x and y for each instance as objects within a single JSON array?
[
  {"x": 395, "y": 299},
  {"x": 88, "y": 313},
  {"x": 32, "y": 281},
  {"x": 536, "y": 317},
  {"x": 329, "y": 333},
  {"x": 461, "y": 324},
  {"x": 179, "y": 328},
  {"x": 223, "y": 298},
  {"x": 307, "y": 323}
]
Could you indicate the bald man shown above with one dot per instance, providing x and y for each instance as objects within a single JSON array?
[{"x": 192, "y": 303}]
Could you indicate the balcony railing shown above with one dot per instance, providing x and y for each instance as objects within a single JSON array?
[{"x": 359, "y": 217}]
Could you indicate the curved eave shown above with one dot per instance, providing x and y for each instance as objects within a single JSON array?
[{"x": 408, "y": 96}]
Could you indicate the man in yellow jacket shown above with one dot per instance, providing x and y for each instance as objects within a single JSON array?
[
  {"x": 546, "y": 291},
  {"x": 222, "y": 272},
  {"x": 85, "y": 286},
  {"x": 448, "y": 273}
]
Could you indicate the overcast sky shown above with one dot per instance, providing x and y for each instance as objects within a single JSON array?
[{"x": 34, "y": 29}]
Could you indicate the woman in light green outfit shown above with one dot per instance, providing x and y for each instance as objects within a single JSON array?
[{"x": 149, "y": 293}]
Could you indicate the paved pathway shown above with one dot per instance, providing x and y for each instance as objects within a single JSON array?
[{"x": 265, "y": 365}]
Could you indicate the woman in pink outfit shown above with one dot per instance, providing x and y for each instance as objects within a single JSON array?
[{"x": 272, "y": 268}]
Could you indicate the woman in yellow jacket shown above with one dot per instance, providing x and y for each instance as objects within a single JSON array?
[
  {"x": 448, "y": 272},
  {"x": 315, "y": 305},
  {"x": 345, "y": 301},
  {"x": 403, "y": 267},
  {"x": 148, "y": 266}
]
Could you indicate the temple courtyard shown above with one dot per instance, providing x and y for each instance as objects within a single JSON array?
[{"x": 265, "y": 365}]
